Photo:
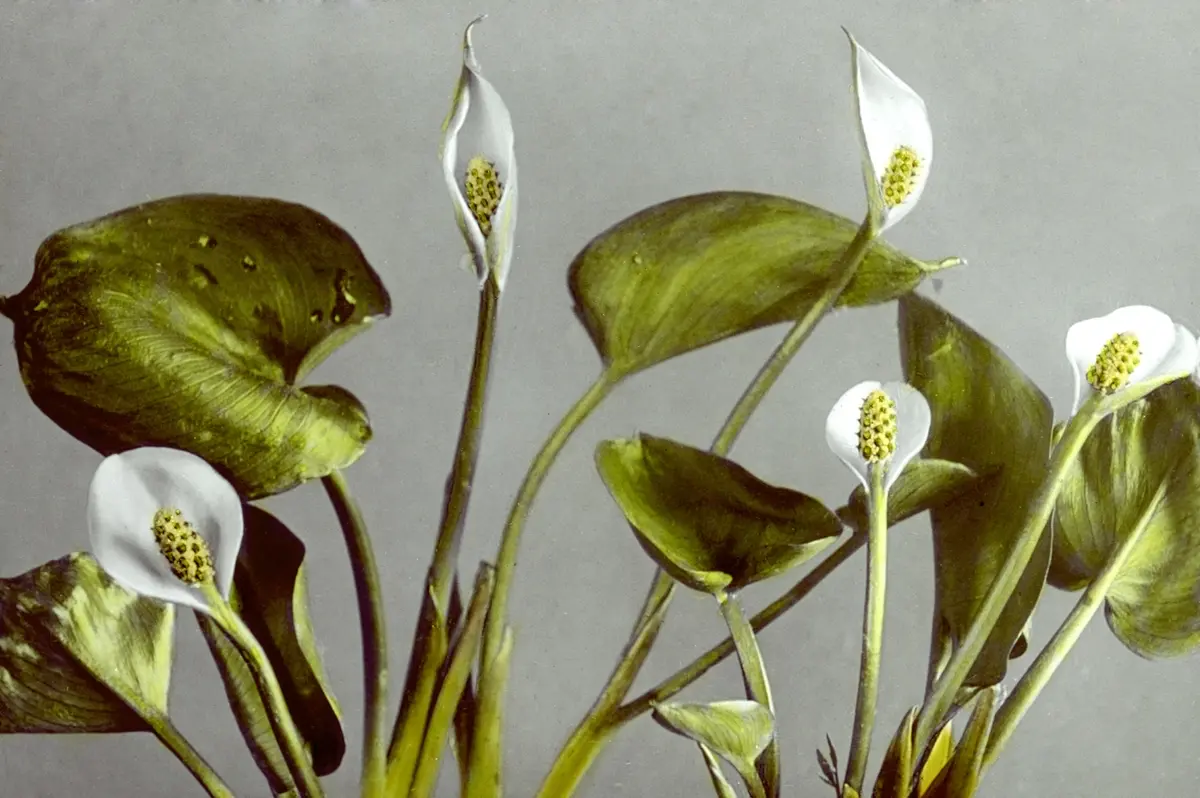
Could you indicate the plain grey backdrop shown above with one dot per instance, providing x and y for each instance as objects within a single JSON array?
[{"x": 1066, "y": 170}]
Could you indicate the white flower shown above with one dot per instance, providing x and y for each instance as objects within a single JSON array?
[
  {"x": 480, "y": 168},
  {"x": 150, "y": 504},
  {"x": 878, "y": 425},
  {"x": 896, "y": 138},
  {"x": 1129, "y": 352}
]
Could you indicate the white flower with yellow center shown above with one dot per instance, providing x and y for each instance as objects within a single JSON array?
[
  {"x": 878, "y": 425},
  {"x": 1128, "y": 353},
  {"x": 480, "y": 168},
  {"x": 164, "y": 524},
  {"x": 896, "y": 138}
]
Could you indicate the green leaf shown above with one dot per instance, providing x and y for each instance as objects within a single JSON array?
[
  {"x": 961, "y": 778},
  {"x": 923, "y": 485},
  {"x": 736, "y": 731},
  {"x": 270, "y": 594},
  {"x": 1151, "y": 605},
  {"x": 707, "y": 521},
  {"x": 895, "y": 773},
  {"x": 694, "y": 270},
  {"x": 81, "y": 654},
  {"x": 990, "y": 417},
  {"x": 188, "y": 322}
]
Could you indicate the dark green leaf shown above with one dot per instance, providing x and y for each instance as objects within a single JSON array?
[
  {"x": 1151, "y": 604},
  {"x": 270, "y": 595},
  {"x": 990, "y": 417},
  {"x": 707, "y": 521},
  {"x": 81, "y": 654},
  {"x": 694, "y": 270},
  {"x": 188, "y": 322},
  {"x": 923, "y": 485}
]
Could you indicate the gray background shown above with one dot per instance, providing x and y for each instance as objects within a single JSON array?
[{"x": 1066, "y": 171}]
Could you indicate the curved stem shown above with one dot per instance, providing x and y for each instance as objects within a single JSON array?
[
  {"x": 1047, "y": 662},
  {"x": 583, "y": 746},
  {"x": 872, "y": 642},
  {"x": 959, "y": 668},
  {"x": 672, "y": 685},
  {"x": 191, "y": 759},
  {"x": 429, "y": 645},
  {"x": 290, "y": 741},
  {"x": 374, "y": 632},
  {"x": 758, "y": 688},
  {"x": 484, "y": 763}
]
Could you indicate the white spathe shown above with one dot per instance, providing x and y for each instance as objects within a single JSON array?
[
  {"x": 1166, "y": 349},
  {"x": 479, "y": 124},
  {"x": 129, "y": 488},
  {"x": 890, "y": 116},
  {"x": 912, "y": 428}
]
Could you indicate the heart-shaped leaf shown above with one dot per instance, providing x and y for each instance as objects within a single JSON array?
[
  {"x": 736, "y": 731},
  {"x": 1154, "y": 443},
  {"x": 81, "y": 654},
  {"x": 990, "y": 417},
  {"x": 270, "y": 594},
  {"x": 694, "y": 270},
  {"x": 188, "y": 321},
  {"x": 924, "y": 484},
  {"x": 707, "y": 521}
]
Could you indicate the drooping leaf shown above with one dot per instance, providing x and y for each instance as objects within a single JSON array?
[
  {"x": 736, "y": 731},
  {"x": 1154, "y": 443},
  {"x": 990, "y": 417},
  {"x": 270, "y": 594},
  {"x": 924, "y": 484},
  {"x": 694, "y": 270},
  {"x": 81, "y": 654},
  {"x": 707, "y": 521},
  {"x": 188, "y": 322}
]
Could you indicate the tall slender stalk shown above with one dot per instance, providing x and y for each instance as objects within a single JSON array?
[{"x": 188, "y": 756}]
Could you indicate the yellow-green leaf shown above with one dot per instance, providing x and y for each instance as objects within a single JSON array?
[
  {"x": 961, "y": 777},
  {"x": 188, "y": 322},
  {"x": 895, "y": 773},
  {"x": 270, "y": 594},
  {"x": 924, "y": 484},
  {"x": 707, "y": 521},
  {"x": 81, "y": 654},
  {"x": 1151, "y": 605},
  {"x": 990, "y": 417},
  {"x": 736, "y": 731},
  {"x": 694, "y": 270}
]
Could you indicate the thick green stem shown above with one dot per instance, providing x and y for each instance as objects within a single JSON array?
[
  {"x": 754, "y": 675},
  {"x": 872, "y": 640},
  {"x": 959, "y": 668},
  {"x": 290, "y": 740},
  {"x": 432, "y": 628},
  {"x": 1047, "y": 662},
  {"x": 374, "y": 633},
  {"x": 484, "y": 762},
  {"x": 583, "y": 746},
  {"x": 191, "y": 759}
]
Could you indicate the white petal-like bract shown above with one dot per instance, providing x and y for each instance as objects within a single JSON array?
[{"x": 913, "y": 418}]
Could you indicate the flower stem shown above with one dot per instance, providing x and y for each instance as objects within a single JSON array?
[
  {"x": 754, "y": 675},
  {"x": 584, "y": 744},
  {"x": 1047, "y": 662},
  {"x": 872, "y": 642},
  {"x": 290, "y": 741},
  {"x": 485, "y": 764},
  {"x": 428, "y": 652},
  {"x": 959, "y": 667},
  {"x": 374, "y": 632},
  {"x": 191, "y": 759}
]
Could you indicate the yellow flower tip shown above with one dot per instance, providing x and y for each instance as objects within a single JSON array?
[
  {"x": 483, "y": 190},
  {"x": 877, "y": 427},
  {"x": 187, "y": 552},
  {"x": 1115, "y": 363},
  {"x": 900, "y": 176}
]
